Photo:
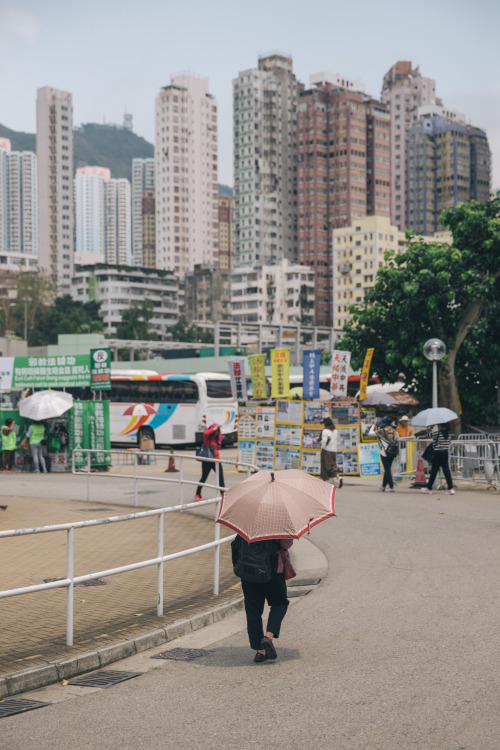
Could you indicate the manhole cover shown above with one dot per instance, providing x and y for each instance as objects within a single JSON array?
[
  {"x": 182, "y": 654},
  {"x": 14, "y": 706},
  {"x": 305, "y": 582},
  {"x": 298, "y": 592},
  {"x": 103, "y": 679}
]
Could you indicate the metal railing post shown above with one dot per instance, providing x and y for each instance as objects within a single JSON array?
[
  {"x": 181, "y": 489},
  {"x": 88, "y": 477},
  {"x": 159, "y": 602},
  {"x": 70, "y": 573},
  {"x": 136, "y": 456},
  {"x": 216, "y": 551}
]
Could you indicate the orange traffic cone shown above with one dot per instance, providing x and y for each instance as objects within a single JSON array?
[
  {"x": 171, "y": 462},
  {"x": 420, "y": 478}
]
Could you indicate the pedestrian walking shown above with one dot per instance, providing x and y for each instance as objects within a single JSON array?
[
  {"x": 9, "y": 441},
  {"x": 212, "y": 439},
  {"x": 270, "y": 559},
  {"x": 36, "y": 434},
  {"x": 388, "y": 443},
  {"x": 328, "y": 455},
  {"x": 440, "y": 459}
]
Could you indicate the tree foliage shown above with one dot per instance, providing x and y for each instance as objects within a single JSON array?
[
  {"x": 438, "y": 290},
  {"x": 185, "y": 331},
  {"x": 66, "y": 315},
  {"x": 136, "y": 322}
]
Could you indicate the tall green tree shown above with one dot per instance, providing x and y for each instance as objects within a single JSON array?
[
  {"x": 66, "y": 315},
  {"x": 183, "y": 330},
  {"x": 136, "y": 322},
  {"x": 436, "y": 290}
]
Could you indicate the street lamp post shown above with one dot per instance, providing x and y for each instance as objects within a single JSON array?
[{"x": 434, "y": 350}]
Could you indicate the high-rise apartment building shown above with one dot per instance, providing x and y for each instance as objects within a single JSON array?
[
  {"x": 148, "y": 229},
  {"x": 18, "y": 209},
  {"x": 265, "y": 162},
  {"x": 54, "y": 148},
  {"x": 226, "y": 234},
  {"x": 448, "y": 164},
  {"x": 90, "y": 247},
  {"x": 118, "y": 224},
  {"x": 404, "y": 90},
  {"x": 343, "y": 171},
  {"x": 186, "y": 175},
  {"x": 143, "y": 180}
]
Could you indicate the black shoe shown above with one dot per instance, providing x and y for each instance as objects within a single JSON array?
[
  {"x": 267, "y": 644},
  {"x": 340, "y": 483},
  {"x": 260, "y": 657}
]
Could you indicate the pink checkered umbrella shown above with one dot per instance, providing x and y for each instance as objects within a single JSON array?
[{"x": 277, "y": 505}]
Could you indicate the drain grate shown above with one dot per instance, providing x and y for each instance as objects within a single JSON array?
[
  {"x": 305, "y": 582},
  {"x": 182, "y": 654},
  {"x": 298, "y": 592},
  {"x": 103, "y": 679},
  {"x": 13, "y": 706},
  {"x": 95, "y": 510}
]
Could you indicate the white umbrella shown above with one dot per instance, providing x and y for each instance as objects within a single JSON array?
[
  {"x": 45, "y": 404},
  {"x": 436, "y": 415},
  {"x": 378, "y": 398}
]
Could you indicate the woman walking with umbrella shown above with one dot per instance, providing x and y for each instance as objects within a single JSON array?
[
  {"x": 268, "y": 511},
  {"x": 440, "y": 459}
]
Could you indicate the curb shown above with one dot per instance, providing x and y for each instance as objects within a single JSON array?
[
  {"x": 63, "y": 669},
  {"x": 308, "y": 561}
]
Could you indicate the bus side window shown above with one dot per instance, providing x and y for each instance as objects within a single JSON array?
[{"x": 184, "y": 392}]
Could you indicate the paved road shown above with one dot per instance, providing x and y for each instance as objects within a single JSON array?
[{"x": 398, "y": 648}]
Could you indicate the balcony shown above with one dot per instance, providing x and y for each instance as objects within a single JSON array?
[{"x": 344, "y": 267}]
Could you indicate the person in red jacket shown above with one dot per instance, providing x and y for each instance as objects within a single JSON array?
[{"x": 212, "y": 438}]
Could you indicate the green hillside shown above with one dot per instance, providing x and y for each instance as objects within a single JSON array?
[
  {"x": 99, "y": 145},
  {"x": 95, "y": 145}
]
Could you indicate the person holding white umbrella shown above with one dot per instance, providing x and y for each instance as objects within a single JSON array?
[
  {"x": 440, "y": 459},
  {"x": 35, "y": 435}
]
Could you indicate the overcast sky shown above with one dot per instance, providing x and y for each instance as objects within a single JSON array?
[{"x": 115, "y": 55}]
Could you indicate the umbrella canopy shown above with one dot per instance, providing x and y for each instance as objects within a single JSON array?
[
  {"x": 45, "y": 404},
  {"x": 404, "y": 398},
  {"x": 436, "y": 415},
  {"x": 376, "y": 398},
  {"x": 298, "y": 391},
  {"x": 276, "y": 505}
]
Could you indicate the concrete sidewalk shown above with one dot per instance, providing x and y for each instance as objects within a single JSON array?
[{"x": 116, "y": 618}]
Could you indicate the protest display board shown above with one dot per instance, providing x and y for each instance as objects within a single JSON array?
[{"x": 288, "y": 435}]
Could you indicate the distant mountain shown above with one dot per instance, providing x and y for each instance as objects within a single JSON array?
[
  {"x": 99, "y": 145},
  {"x": 95, "y": 145}
]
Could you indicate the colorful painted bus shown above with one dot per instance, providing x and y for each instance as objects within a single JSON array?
[{"x": 170, "y": 409}]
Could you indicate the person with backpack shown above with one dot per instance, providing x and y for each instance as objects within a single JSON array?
[
  {"x": 262, "y": 567},
  {"x": 212, "y": 439},
  {"x": 388, "y": 443},
  {"x": 440, "y": 459}
]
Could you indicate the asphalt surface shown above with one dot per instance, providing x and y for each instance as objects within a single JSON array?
[{"x": 397, "y": 648}]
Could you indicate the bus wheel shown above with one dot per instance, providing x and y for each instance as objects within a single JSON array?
[{"x": 146, "y": 433}]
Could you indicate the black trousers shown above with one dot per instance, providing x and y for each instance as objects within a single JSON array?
[
  {"x": 8, "y": 459},
  {"x": 387, "y": 480},
  {"x": 206, "y": 468},
  {"x": 440, "y": 461},
  {"x": 255, "y": 595}
]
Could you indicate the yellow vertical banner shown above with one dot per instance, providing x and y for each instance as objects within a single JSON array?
[
  {"x": 258, "y": 376},
  {"x": 280, "y": 373},
  {"x": 365, "y": 374}
]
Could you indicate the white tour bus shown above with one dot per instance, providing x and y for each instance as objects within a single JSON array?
[{"x": 170, "y": 409}]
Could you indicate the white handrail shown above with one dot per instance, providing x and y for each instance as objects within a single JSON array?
[{"x": 71, "y": 580}]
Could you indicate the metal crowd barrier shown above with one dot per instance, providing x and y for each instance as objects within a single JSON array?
[{"x": 473, "y": 458}]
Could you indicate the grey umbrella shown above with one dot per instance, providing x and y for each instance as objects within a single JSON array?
[{"x": 376, "y": 398}]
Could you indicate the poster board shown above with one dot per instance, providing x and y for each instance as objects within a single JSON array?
[{"x": 369, "y": 459}]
